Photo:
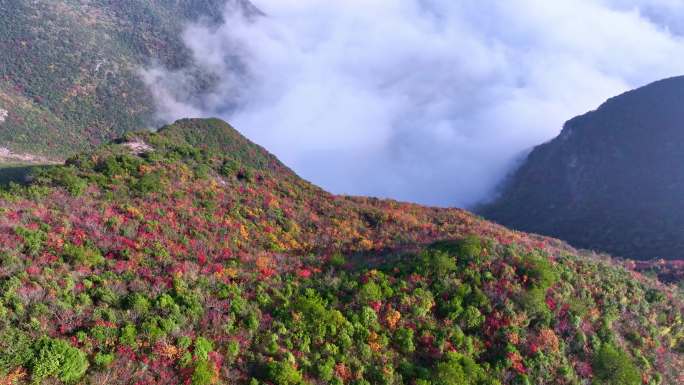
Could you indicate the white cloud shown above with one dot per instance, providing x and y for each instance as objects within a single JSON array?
[{"x": 422, "y": 100}]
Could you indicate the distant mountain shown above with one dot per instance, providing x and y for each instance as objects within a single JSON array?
[
  {"x": 193, "y": 256},
  {"x": 613, "y": 179},
  {"x": 69, "y": 68}
]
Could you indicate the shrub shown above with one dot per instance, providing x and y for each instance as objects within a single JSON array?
[
  {"x": 471, "y": 318},
  {"x": 326, "y": 370},
  {"x": 533, "y": 301},
  {"x": 470, "y": 248},
  {"x": 202, "y": 348},
  {"x": 167, "y": 304},
  {"x": 202, "y": 171},
  {"x": 404, "y": 340},
  {"x": 138, "y": 302},
  {"x": 66, "y": 177},
  {"x": 204, "y": 373},
  {"x": 655, "y": 296},
  {"x": 149, "y": 183},
  {"x": 105, "y": 295},
  {"x": 230, "y": 168},
  {"x": 119, "y": 165},
  {"x": 151, "y": 328},
  {"x": 103, "y": 334},
  {"x": 54, "y": 357},
  {"x": 103, "y": 359},
  {"x": 612, "y": 366},
  {"x": 370, "y": 292},
  {"x": 423, "y": 302},
  {"x": 458, "y": 369},
  {"x": 245, "y": 175},
  {"x": 33, "y": 240},
  {"x": 540, "y": 270},
  {"x": 337, "y": 260},
  {"x": 369, "y": 318},
  {"x": 451, "y": 308},
  {"x": 233, "y": 349},
  {"x": 184, "y": 342},
  {"x": 442, "y": 263},
  {"x": 83, "y": 254},
  {"x": 283, "y": 373},
  {"x": 15, "y": 350},
  {"x": 128, "y": 336}
]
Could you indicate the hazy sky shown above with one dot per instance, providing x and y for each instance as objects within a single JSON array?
[{"x": 429, "y": 101}]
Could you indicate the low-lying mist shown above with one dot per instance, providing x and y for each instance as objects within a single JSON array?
[{"x": 430, "y": 101}]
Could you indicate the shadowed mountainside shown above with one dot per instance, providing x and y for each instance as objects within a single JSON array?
[{"x": 613, "y": 180}]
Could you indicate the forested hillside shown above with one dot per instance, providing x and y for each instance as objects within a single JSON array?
[
  {"x": 69, "y": 70},
  {"x": 167, "y": 258}
]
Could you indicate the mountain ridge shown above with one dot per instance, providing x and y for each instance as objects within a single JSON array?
[{"x": 610, "y": 180}]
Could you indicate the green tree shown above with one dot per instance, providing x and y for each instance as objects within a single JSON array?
[
  {"x": 612, "y": 366},
  {"x": 283, "y": 373},
  {"x": 404, "y": 340},
  {"x": 204, "y": 373},
  {"x": 54, "y": 357},
  {"x": 458, "y": 369},
  {"x": 15, "y": 350}
]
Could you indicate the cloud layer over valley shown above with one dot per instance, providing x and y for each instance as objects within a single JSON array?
[{"x": 429, "y": 101}]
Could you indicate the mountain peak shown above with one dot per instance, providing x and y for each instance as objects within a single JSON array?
[
  {"x": 611, "y": 180},
  {"x": 211, "y": 135}
]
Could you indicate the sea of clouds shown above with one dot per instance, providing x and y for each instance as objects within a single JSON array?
[{"x": 431, "y": 101}]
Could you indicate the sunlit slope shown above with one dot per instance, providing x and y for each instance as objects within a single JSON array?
[{"x": 162, "y": 259}]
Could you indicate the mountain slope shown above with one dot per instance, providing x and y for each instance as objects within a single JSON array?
[
  {"x": 612, "y": 180},
  {"x": 155, "y": 261},
  {"x": 69, "y": 69}
]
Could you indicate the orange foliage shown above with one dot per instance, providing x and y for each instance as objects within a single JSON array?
[
  {"x": 392, "y": 318},
  {"x": 169, "y": 351},
  {"x": 13, "y": 377},
  {"x": 374, "y": 342},
  {"x": 343, "y": 372},
  {"x": 548, "y": 340}
]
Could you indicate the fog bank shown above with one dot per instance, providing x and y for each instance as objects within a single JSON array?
[{"x": 428, "y": 101}]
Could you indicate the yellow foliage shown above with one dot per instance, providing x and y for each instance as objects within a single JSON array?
[
  {"x": 392, "y": 318},
  {"x": 213, "y": 185},
  {"x": 263, "y": 262},
  {"x": 374, "y": 342},
  {"x": 169, "y": 351},
  {"x": 134, "y": 211},
  {"x": 594, "y": 314},
  {"x": 229, "y": 272},
  {"x": 366, "y": 244},
  {"x": 513, "y": 338},
  {"x": 144, "y": 169},
  {"x": 549, "y": 340},
  {"x": 243, "y": 232}
]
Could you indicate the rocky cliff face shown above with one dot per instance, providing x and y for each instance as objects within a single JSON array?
[{"x": 612, "y": 180}]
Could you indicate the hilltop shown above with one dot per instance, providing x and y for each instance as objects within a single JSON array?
[
  {"x": 70, "y": 70},
  {"x": 161, "y": 258},
  {"x": 611, "y": 181}
]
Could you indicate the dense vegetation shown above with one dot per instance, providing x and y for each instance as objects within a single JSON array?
[
  {"x": 611, "y": 181},
  {"x": 69, "y": 69},
  {"x": 159, "y": 260}
]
